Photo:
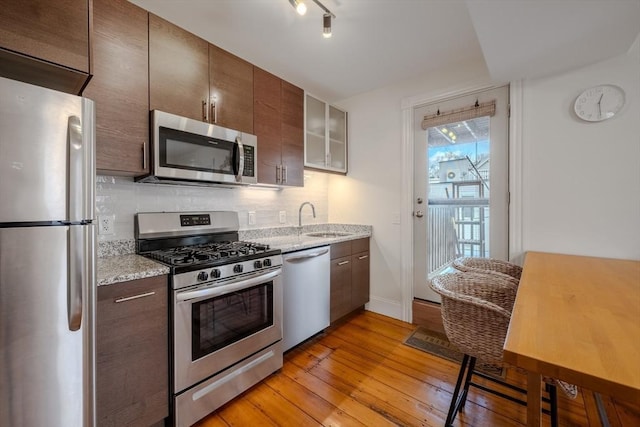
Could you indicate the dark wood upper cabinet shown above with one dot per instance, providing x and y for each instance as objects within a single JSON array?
[
  {"x": 293, "y": 133},
  {"x": 46, "y": 43},
  {"x": 279, "y": 125},
  {"x": 231, "y": 90},
  {"x": 120, "y": 87},
  {"x": 267, "y": 109},
  {"x": 178, "y": 70}
]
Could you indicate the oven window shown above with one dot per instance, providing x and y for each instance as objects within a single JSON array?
[{"x": 223, "y": 320}]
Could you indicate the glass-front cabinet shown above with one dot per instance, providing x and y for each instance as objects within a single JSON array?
[{"x": 325, "y": 136}]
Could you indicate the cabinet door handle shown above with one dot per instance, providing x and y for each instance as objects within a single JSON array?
[
  {"x": 144, "y": 156},
  {"x": 343, "y": 263},
  {"x": 214, "y": 112},
  {"x": 204, "y": 111},
  {"x": 278, "y": 174},
  {"x": 124, "y": 299},
  {"x": 284, "y": 169},
  {"x": 363, "y": 257}
]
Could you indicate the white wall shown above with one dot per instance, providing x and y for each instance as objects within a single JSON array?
[
  {"x": 371, "y": 192},
  {"x": 581, "y": 181},
  {"x": 123, "y": 198}
]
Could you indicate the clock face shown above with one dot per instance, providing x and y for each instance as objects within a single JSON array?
[{"x": 599, "y": 103}]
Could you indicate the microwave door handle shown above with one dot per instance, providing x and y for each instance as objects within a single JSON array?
[{"x": 240, "y": 157}]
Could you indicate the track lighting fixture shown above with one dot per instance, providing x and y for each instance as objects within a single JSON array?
[
  {"x": 326, "y": 23},
  {"x": 299, "y": 6}
]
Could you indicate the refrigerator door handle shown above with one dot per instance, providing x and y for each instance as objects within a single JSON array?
[
  {"x": 76, "y": 277},
  {"x": 75, "y": 194}
]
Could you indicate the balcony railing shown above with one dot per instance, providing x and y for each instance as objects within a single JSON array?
[{"x": 456, "y": 227}]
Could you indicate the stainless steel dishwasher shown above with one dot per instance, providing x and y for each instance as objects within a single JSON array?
[{"x": 306, "y": 288}]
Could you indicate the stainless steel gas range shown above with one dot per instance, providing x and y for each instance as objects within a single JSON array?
[{"x": 226, "y": 313}]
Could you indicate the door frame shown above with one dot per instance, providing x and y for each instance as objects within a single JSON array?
[{"x": 406, "y": 204}]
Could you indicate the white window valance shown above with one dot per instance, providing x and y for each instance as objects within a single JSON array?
[{"x": 467, "y": 113}]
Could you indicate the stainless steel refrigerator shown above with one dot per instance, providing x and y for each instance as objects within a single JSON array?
[{"x": 47, "y": 261}]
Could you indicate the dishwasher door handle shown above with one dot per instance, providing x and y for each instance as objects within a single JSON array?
[{"x": 302, "y": 258}]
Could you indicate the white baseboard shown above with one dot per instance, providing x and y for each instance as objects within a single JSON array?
[{"x": 385, "y": 307}]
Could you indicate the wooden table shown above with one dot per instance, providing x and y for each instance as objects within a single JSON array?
[{"x": 577, "y": 319}]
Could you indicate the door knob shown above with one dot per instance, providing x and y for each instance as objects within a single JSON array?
[{"x": 419, "y": 214}]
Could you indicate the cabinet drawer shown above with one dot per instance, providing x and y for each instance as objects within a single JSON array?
[
  {"x": 339, "y": 250},
  {"x": 132, "y": 353},
  {"x": 359, "y": 245}
]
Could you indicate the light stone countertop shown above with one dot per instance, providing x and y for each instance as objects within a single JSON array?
[
  {"x": 116, "y": 264},
  {"x": 295, "y": 242},
  {"x": 122, "y": 268}
]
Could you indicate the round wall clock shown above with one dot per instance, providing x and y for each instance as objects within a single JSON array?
[{"x": 599, "y": 103}]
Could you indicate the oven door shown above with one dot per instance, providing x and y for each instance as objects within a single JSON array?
[{"x": 218, "y": 325}]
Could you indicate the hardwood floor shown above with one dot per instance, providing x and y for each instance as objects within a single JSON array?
[{"x": 360, "y": 373}]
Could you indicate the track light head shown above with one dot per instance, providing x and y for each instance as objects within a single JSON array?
[
  {"x": 299, "y": 6},
  {"x": 326, "y": 23}
]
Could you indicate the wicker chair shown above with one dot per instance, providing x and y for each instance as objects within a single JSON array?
[
  {"x": 472, "y": 264},
  {"x": 476, "y": 309}
]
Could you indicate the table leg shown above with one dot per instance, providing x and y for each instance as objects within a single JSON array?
[
  {"x": 534, "y": 399},
  {"x": 602, "y": 412}
]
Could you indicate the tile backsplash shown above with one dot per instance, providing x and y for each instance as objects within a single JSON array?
[{"x": 123, "y": 198}]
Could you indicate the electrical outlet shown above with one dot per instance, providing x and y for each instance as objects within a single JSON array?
[
  {"x": 106, "y": 224},
  {"x": 252, "y": 218},
  {"x": 283, "y": 217}
]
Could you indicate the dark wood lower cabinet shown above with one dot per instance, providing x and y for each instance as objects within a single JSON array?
[
  {"x": 360, "y": 279},
  {"x": 132, "y": 353},
  {"x": 340, "y": 287},
  {"x": 349, "y": 277}
]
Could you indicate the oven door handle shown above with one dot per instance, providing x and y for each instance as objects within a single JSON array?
[{"x": 216, "y": 291}]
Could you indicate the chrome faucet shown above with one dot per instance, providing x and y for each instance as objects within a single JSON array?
[{"x": 313, "y": 210}]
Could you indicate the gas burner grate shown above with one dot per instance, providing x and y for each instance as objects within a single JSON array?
[{"x": 201, "y": 254}]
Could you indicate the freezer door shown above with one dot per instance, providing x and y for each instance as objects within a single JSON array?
[
  {"x": 46, "y": 329},
  {"x": 47, "y": 160}
]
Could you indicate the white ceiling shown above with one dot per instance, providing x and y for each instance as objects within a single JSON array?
[{"x": 376, "y": 43}]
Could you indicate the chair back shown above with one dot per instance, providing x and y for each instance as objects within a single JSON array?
[
  {"x": 473, "y": 264},
  {"x": 476, "y": 309}
]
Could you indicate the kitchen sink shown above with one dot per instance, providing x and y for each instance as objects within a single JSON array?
[{"x": 327, "y": 234}]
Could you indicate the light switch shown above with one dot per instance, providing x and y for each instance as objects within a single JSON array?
[
  {"x": 283, "y": 217},
  {"x": 395, "y": 218},
  {"x": 252, "y": 218}
]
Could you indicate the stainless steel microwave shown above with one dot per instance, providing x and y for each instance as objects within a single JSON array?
[{"x": 187, "y": 151}]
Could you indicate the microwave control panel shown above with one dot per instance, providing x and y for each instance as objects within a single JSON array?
[{"x": 249, "y": 161}]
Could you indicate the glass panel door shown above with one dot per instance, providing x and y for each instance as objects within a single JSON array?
[{"x": 461, "y": 188}]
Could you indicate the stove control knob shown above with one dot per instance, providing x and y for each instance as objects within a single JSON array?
[
  {"x": 237, "y": 268},
  {"x": 257, "y": 264},
  {"x": 215, "y": 273},
  {"x": 202, "y": 276},
  {"x": 267, "y": 262}
]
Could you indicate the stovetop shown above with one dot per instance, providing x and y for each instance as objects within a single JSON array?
[
  {"x": 201, "y": 247},
  {"x": 210, "y": 254}
]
